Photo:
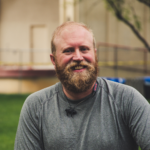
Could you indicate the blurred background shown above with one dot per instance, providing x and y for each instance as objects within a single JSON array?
[{"x": 121, "y": 29}]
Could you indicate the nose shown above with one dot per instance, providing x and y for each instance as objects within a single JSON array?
[{"x": 77, "y": 55}]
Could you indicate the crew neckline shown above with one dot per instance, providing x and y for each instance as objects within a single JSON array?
[{"x": 64, "y": 97}]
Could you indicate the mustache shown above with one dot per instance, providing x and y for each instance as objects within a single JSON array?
[{"x": 72, "y": 65}]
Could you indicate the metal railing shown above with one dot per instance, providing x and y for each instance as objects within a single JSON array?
[
  {"x": 123, "y": 57},
  {"x": 19, "y": 57},
  {"x": 109, "y": 56}
]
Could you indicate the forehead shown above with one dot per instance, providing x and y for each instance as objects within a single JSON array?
[{"x": 73, "y": 32}]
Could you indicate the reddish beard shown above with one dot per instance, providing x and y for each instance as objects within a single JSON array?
[{"x": 77, "y": 82}]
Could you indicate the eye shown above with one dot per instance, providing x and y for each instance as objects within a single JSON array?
[
  {"x": 84, "y": 48},
  {"x": 68, "y": 50}
]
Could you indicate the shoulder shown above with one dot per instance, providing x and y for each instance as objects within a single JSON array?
[
  {"x": 121, "y": 93},
  {"x": 37, "y": 99},
  {"x": 114, "y": 88}
]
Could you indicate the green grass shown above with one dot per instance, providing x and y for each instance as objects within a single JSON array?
[{"x": 10, "y": 106}]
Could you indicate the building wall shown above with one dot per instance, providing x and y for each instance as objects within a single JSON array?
[
  {"x": 27, "y": 24},
  {"x": 28, "y": 85},
  {"x": 108, "y": 29},
  {"x": 18, "y": 16},
  {"x": 26, "y": 27}
]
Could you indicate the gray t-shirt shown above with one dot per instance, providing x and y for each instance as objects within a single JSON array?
[{"x": 113, "y": 117}]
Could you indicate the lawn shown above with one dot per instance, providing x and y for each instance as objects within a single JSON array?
[{"x": 10, "y": 106}]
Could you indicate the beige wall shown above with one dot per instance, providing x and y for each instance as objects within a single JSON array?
[
  {"x": 19, "y": 16},
  {"x": 28, "y": 24},
  {"x": 108, "y": 29},
  {"x": 9, "y": 85}
]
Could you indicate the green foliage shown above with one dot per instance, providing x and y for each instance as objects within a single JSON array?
[
  {"x": 108, "y": 7},
  {"x": 137, "y": 23},
  {"x": 10, "y": 106},
  {"x": 125, "y": 9},
  {"x": 127, "y": 13}
]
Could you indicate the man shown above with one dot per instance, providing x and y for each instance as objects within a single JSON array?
[{"x": 83, "y": 111}]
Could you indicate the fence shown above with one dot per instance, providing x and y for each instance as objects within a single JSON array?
[
  {"x": 112, "y": 60},
  {"x": 20, "y": 57},
  {"x": 110, "y": 56},
  {"x": 123, "y": 58}
]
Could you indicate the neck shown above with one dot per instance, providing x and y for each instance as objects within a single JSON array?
[{"x": 77, "y": 96}]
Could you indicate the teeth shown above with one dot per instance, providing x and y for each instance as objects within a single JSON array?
[{"x": 78, "y": 67}]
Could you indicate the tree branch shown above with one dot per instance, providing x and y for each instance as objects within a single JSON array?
[
  {"x": 146, "y": 2},
  {"x": 120, "y": 17}
]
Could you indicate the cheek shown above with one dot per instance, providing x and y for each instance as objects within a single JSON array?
[
  {"x": 90, "y": 58},
  {"x": 64, "y": 60}
]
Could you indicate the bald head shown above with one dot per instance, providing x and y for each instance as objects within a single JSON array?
[{"x": 68, "y": 27}]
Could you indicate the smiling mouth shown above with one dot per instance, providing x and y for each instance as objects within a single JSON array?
[{"x": 78, "y": 67}]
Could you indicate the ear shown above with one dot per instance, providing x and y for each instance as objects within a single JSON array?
[
  {"x": 95, "y": 50},
  {"x": 52, "y": 59}
]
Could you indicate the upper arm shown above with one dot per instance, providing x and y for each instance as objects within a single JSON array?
[
  {"x": 138, "y": 114},
  {"x": 28, "y": 135}
]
